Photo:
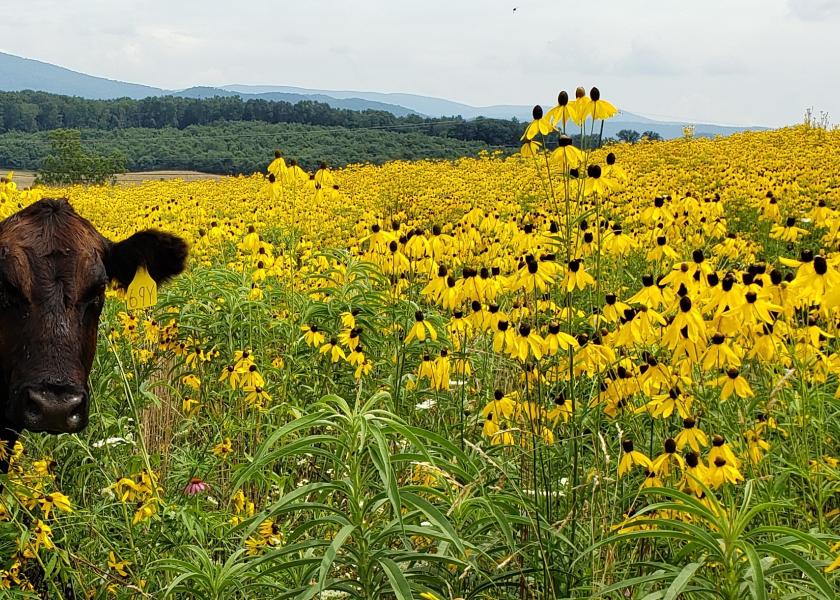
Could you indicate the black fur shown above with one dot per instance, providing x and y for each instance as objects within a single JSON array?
[{"x": 163, "y": 254}]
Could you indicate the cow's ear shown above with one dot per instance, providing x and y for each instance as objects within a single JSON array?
[{"x": 164, "y": 255}]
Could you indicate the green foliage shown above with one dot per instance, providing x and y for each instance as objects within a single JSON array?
[
  {"x": 731, "y": 556},
  {"x": 68, "y": 163},
  {"x": 39, "y": 111},
  {"x": 240, "y": 147},
  {"x": 359, "y": 504},
  {"x": 227, "y": 135},
  {"x": 31, "y": 112}
]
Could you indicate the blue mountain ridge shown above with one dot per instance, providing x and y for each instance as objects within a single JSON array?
[{"x": 18, "y": 73}]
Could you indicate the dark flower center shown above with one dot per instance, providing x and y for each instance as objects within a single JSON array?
[{"x": 820, "y": 266}]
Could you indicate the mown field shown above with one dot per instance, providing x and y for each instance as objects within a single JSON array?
[
  {"x": 484, "y": 379},
  {"x": 24, "y": 179}
]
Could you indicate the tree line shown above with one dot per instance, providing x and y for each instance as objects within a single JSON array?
[
  {"x": 32, "y": 112},
  {"x": 59, "y": 135},
  {"x": 224, "y": 148}
]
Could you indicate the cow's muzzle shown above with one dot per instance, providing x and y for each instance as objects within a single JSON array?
[{"x": 55, "y": 409}]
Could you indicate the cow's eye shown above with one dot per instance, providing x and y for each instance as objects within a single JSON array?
[
  {"x": 9, "y": 294},
  {"x": 94, "y": 294}
]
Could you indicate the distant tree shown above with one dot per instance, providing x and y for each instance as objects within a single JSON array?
[
  {"x": 69, "y": 163},
  {"x": 651, "y": 136},
  {"x": 631, "y": 136}
]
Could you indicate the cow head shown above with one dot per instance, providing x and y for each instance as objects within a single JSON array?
[{"x": 54, "y": 267}]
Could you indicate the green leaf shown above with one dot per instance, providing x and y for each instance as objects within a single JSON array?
[
  {"x": 757, "y": 587},
  {"x": 399, "y": 584},
  {"x": 435, "y": 516},
  {"x": 331, "y": 553},
  {"x": 681, "y": 580},
  {"x": 502, "y": 522},
  {"x": 803, "y": 565},
  {"x": 779, "y": 530},
  {"x": 635, "y": 582},
  {"x": 381, "y": 459}
]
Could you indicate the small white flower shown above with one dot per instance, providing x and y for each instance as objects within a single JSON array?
[
  {"x": 426, "y": 404},
  {"x": 114, "y": 441}
]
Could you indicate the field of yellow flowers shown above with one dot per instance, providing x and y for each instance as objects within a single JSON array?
[{"x": 567, "y": 373}]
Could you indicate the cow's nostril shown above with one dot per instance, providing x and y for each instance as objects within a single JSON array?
[
  {"x": 35, "y": 404},
  {"x": 32, "y": 411},
  {"x": 75, "y": 407},
  {"x": 74, "y": 421}
]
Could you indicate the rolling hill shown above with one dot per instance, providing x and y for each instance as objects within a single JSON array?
[
  {"x": 440, "y": 107},
  {"x": 17, "y": 73},
  {"x": 350, "y": 103}
]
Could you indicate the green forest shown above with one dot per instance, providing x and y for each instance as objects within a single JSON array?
[
  {"x": 239, "y": 147},
  {"x": 231, "y": 135}
]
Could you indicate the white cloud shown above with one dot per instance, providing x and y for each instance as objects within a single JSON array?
[
  {"x": 170, "y": 38},
  {"x": 717, "y": 60}
]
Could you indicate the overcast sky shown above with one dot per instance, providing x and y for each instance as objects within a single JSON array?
[{"x": 725, "y": 61}]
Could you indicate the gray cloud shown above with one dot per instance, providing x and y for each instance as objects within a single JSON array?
[
  {"x": 646, "y": 60},
  {"x": 814, "y": 10},
  {"x": 650, "y": 56},
  {"x": 724, "y": 67}
]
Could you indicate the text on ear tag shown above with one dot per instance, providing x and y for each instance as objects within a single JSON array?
[{"x": 142, "y": 291}]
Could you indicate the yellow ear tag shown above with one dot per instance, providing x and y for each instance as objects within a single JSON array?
[{"x": 142, "y": 291}]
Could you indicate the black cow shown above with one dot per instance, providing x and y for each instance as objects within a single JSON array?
[{"x": 54, "y": 267}]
